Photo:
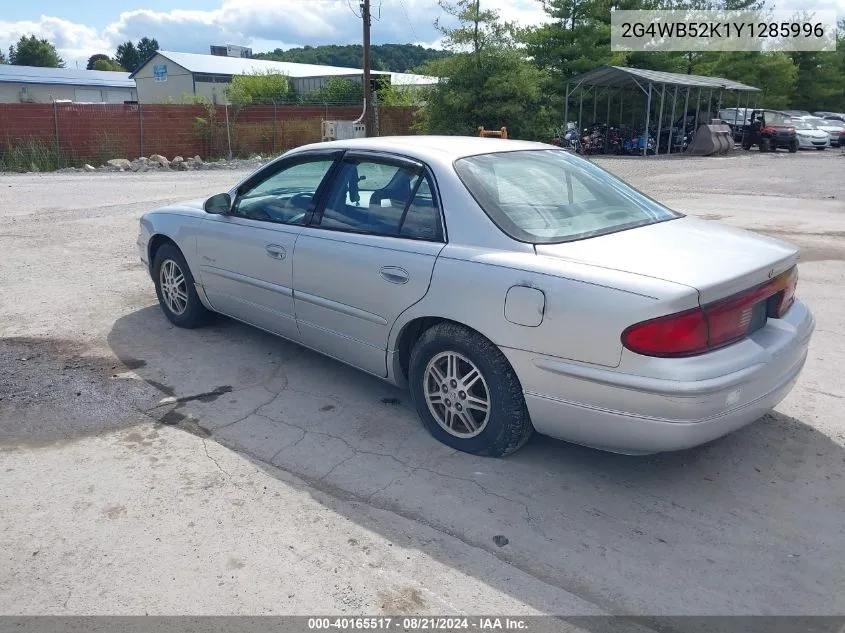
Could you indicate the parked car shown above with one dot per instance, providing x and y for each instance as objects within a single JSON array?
[
  {"x": 834, "y": 116},
  {"x": 510, "y": 286},
  {"x": 835, "y": 129},
  {"x": 796, "y": 113},
  {"x": 736, "y": 119},
  {"x": 770, "y": 130},
  {"x": 810, "y": 137}
]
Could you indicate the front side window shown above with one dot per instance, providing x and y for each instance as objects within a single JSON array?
[
  {"x": 548, "y": 196},
  {"x": 382, "y": 199},
  {"x": 286, "y": 195}
]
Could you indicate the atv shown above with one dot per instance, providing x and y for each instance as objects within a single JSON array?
[{"x": 769, "y": 130}]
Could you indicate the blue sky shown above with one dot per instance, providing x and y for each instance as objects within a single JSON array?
[{"x": 80, "y": 29}]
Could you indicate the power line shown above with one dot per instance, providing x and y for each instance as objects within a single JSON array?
[{"x": 408, "y": 18}]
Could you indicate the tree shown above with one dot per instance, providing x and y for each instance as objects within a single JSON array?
[
  {"x": 30, "y": 51},
  {"x": 127, "y": 56},
  {"x": 147, "y": 48},
  {"x": 487, "y": 81},
  {"x": 337, "y": 90},
  {"x": 819, "y": 85},
  {"x": 2, "y": 58},
  {"x": 259, "y": 88},
  {"x": 397, "y": 58},
  {"x": 107, "y": 64},
  {"x": 95, "y": 58}
]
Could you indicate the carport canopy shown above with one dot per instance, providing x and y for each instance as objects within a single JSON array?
[
  {"x": 622, "y": 77},
  {"x": 652, "y": 81}
]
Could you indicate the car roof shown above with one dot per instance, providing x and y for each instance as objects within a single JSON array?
[{"x": 438, "y": 148}]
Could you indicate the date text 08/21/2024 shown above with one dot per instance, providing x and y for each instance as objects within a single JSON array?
[{"x": 419, "y": 623}]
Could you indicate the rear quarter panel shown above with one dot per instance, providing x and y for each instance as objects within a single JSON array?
[{"x": 585, "y": 311}]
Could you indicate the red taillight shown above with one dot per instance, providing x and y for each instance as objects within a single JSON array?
[
  {"x": 714, "y": 325},
  {"x": 773, "y": 130}
]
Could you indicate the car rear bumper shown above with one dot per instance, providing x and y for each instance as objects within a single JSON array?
[{"x": 629, "y": 414}]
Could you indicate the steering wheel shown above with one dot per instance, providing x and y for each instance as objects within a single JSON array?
[{"x": 302, "y": 201}]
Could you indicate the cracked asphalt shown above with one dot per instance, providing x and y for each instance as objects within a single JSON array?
[{"x": 151, "y": 470}]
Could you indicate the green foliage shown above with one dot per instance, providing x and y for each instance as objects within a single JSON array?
[
  {"x": 397, "y": 58},
  {"x": 192, "y": 99},
  {"x": 30, "y": 51},
  {"x": 774, "y": 73},
  {"x": 336, "y": 90},
  {"x": 107, "y": 64},
  {"x": 127, "y": 56},
  {"x": 259, "y": 88},
  {"x": 31, "y": 154},
  {"x": 147, "y": 47},
  {"x": 2, "y": 58},
  {"x": 95, "y": 58},
  {"x": 491, "y": 84},
  {"x": 393, "y": 95},
  {"x": 577, "y": 40},
  {"x": 130, "y": 56}
]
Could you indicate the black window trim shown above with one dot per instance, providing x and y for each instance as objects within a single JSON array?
[
  {"x": 391, "y": 159},
  {"x": 280, "y": 165}
]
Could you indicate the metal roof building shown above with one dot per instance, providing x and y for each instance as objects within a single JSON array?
[
  {"x": 169, "y": 75},
  {"x": 621, "y": 76},
  {"x": 30, "y": 84},
  {"x": 648, "y": 95}
]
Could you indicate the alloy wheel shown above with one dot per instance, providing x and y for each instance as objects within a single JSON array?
[{"x": 457, "y": 394}]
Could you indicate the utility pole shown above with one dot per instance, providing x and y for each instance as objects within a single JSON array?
[{"x": 368, "y": 92}]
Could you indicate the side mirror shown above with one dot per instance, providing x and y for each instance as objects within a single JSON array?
[{"x": 221, "y": 204}]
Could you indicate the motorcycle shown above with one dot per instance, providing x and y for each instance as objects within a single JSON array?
[
  {"x": 570, "y": 139},
  {"x": 636, "y": 144}
]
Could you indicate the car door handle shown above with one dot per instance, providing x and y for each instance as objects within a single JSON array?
[
  {"x": 394, "y": 274},
  {"x": 275, "y": 251}
]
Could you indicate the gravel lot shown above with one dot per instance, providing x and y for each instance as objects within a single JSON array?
[{"x": 147, "y": 469}]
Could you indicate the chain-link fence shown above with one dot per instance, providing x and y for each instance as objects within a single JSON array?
[{"x": 43, "y": 137}]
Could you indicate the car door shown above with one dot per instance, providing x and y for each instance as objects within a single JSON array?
[
  {"x": 367, "y": 256},
  {"x": 246, "y": 256}
]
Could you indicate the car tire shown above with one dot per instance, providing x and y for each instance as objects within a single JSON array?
[
  {"x": 448, "y": 354},
  {"x": 175, "y": 289},
  {"x": 793, "y": 147},
  {"x": 821, "y": 148}
]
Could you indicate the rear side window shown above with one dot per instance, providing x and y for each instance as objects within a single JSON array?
[
  {"x": 549, "y": 196},
  {"x": 382, "y": 199}
]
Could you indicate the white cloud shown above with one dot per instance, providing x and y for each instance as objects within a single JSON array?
[
  {"x": 74, "y": 41},
  {"x": 267, "y": 24},
  {"x": 262, "y": 24}
]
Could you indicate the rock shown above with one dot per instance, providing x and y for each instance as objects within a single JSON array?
[
  {"x": 139, "y": 164},
  {"x": 119, "y": 163},
  {"x": 177, "y": 160},
  {"x": 183, "y": 166},
  {"x": 160, "y": 160},
  {"x": 88, "y": 167},
  {"x": 197, "y": 159}
]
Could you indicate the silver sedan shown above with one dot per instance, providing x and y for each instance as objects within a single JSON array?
[{"x": 510, "y": 286}]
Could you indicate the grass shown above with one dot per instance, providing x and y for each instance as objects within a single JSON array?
[{"x": 31, "y": 154}]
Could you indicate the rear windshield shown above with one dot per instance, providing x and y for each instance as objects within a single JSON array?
[{"x": 549, "y": 196}]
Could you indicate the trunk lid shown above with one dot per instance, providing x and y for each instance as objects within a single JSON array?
[{"x": 716, "y": 260}]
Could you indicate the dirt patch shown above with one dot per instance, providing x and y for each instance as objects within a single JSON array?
[{"x": 402, "y": 601}]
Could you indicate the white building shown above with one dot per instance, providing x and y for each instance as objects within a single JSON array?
[
  {"x": 168, "y": 76},
  {"x": 30, "y": 84}
]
